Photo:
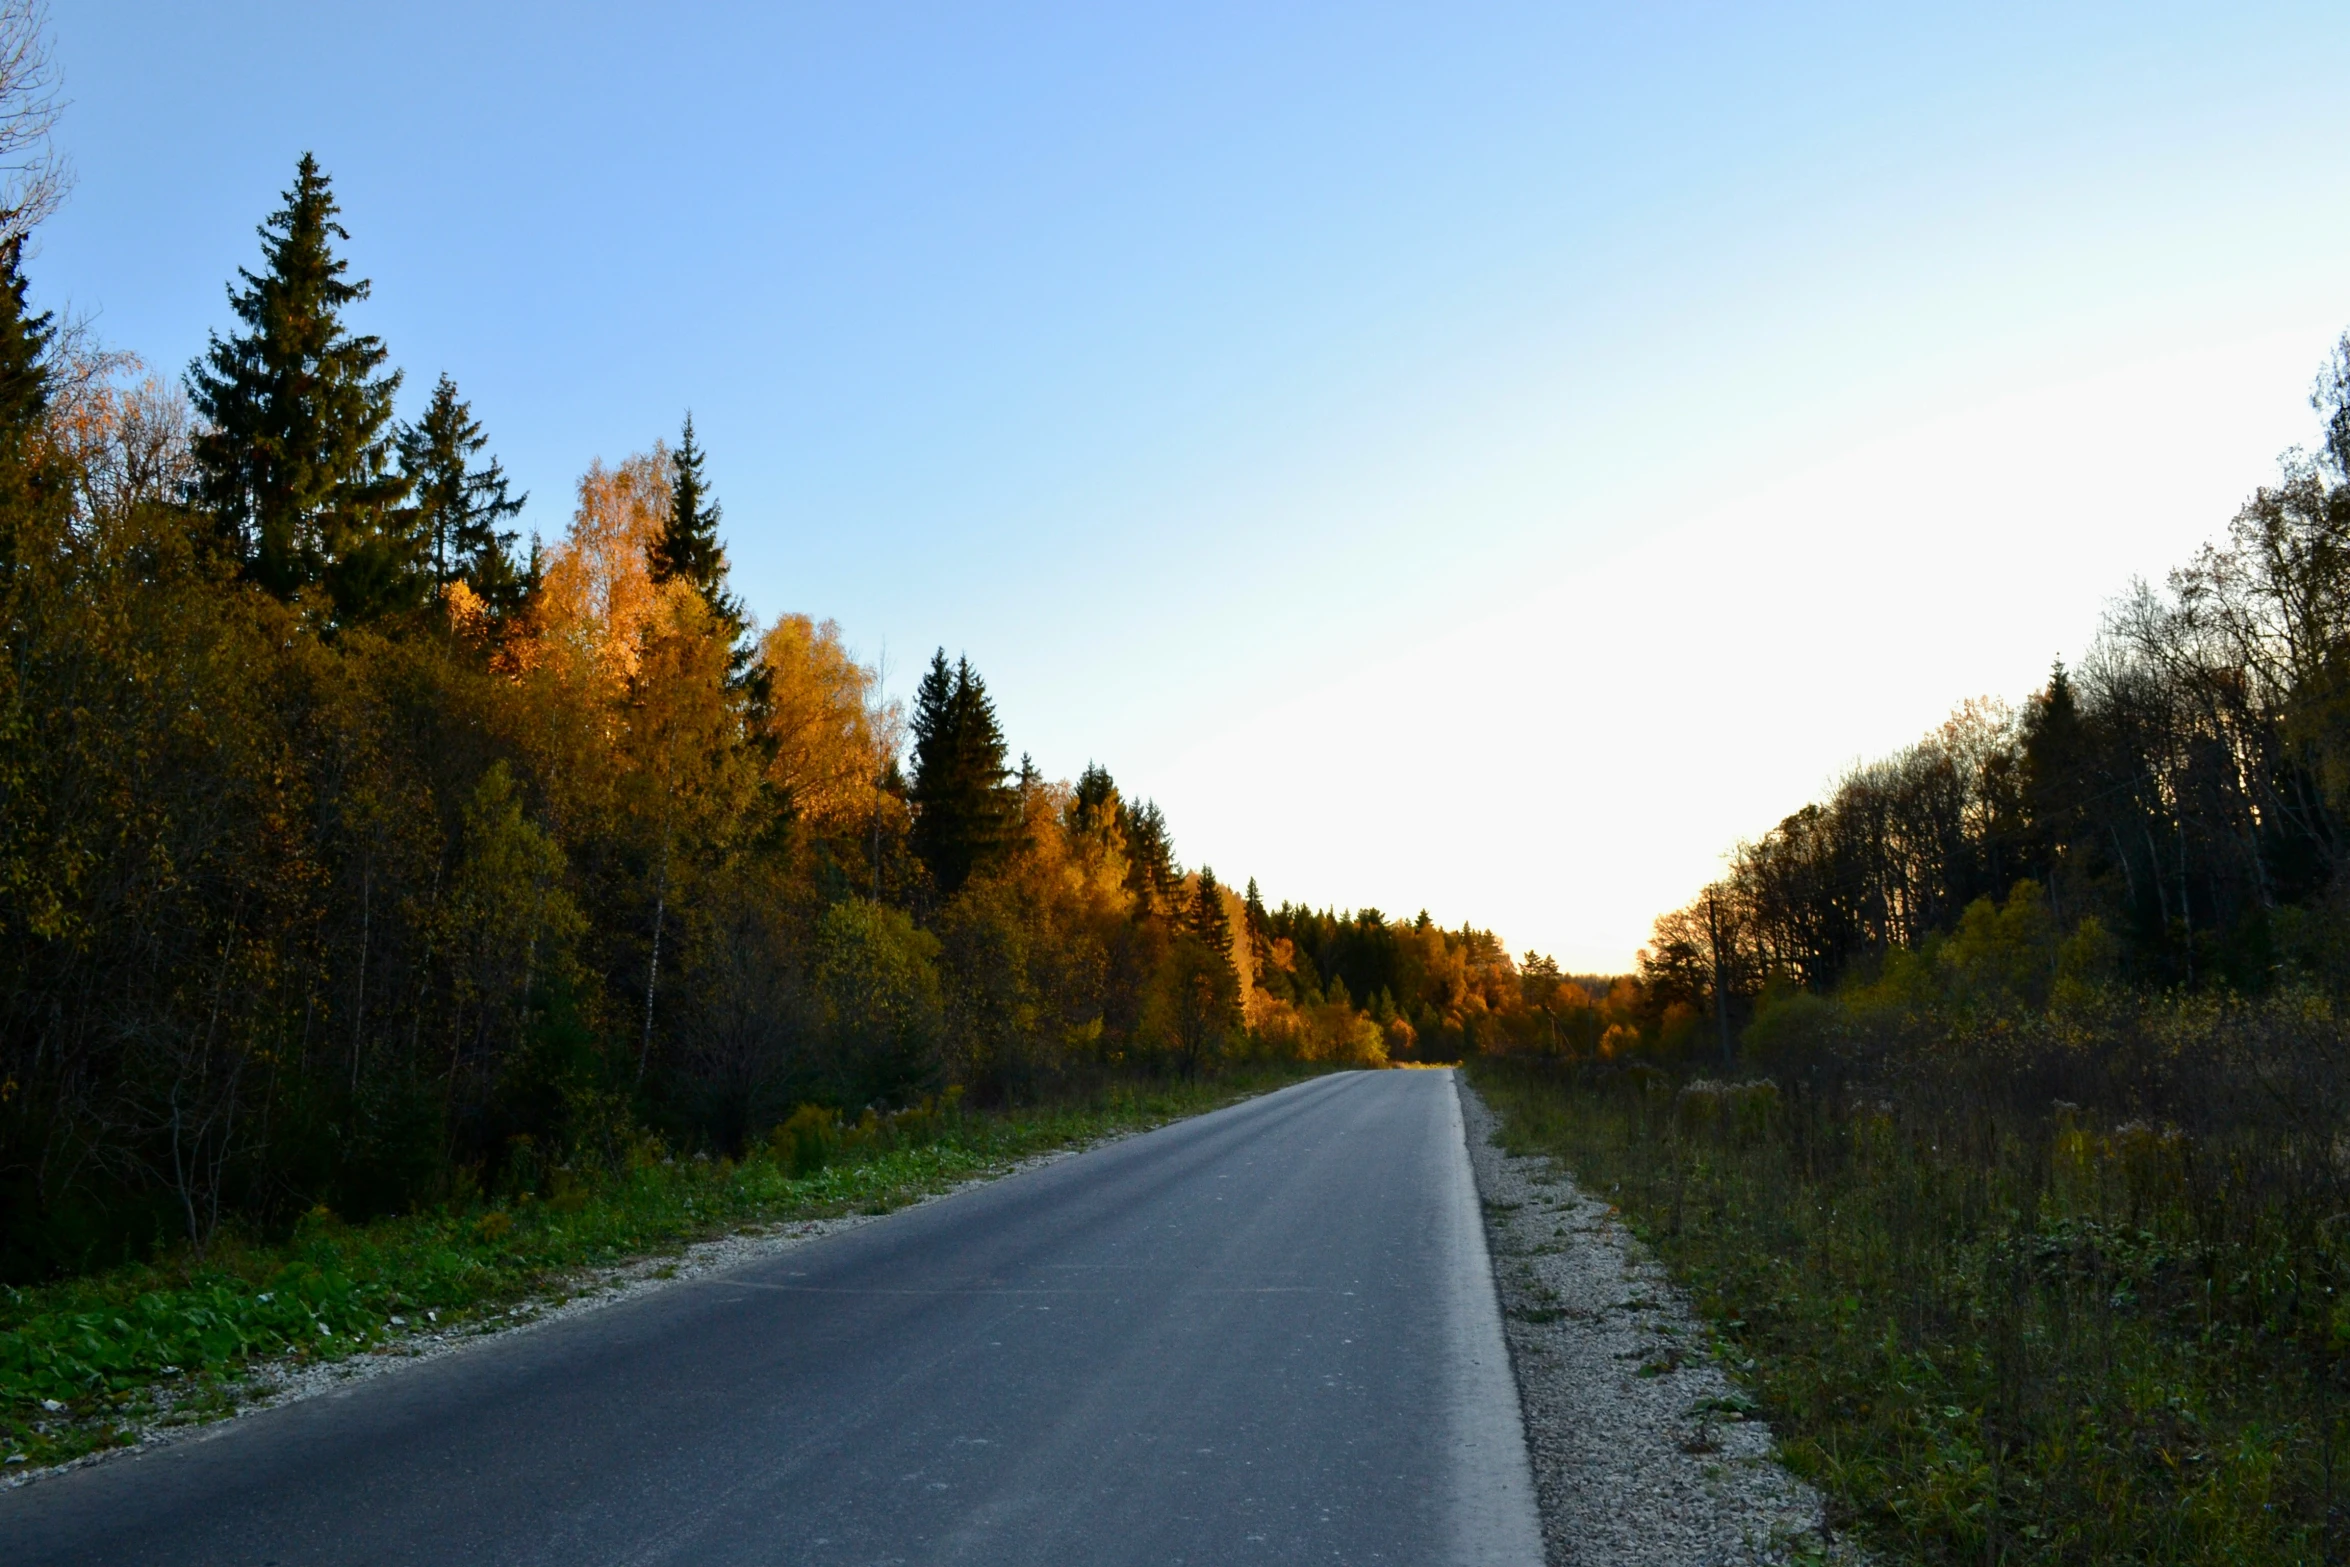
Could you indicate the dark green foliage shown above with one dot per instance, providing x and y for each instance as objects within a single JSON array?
[
  {"x": 295, "y": 464},
  {"x": 459, "y": 504},
  {"x": 1257, "y": 922},
  {"x": 877, "y": 1003},
  {"x": 1371, "y": 953},
  {"x": 24, "y": 347},
  {"x": 1097, "y": 816},
  {"x": 33, "y": 489},
  {"x": 1095, "y": 797},
  {"x": 1209, "y": 922},
  {"x": 689, "y": 549},
  {"x": 1151, "y": 872},
  {"x": 964, "y": 812}
]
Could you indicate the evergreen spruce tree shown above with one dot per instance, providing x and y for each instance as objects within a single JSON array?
[
  {"x": 964, "y": 812},
  {"x": 1093, "y": 813},
  {"x": 2059, "y": 777},
  {"x": 1151, "y": 872},
  {"x": 1096, "y": 794},
  {"x": 1259, "y": 944},
  {"x": 33, "y": 486},
  {"x": 295, "y": 460},
  {"x": 1208, "y": 919},
  {"x": 24, "y": 350},
  {"x": 459, "y": 505},
  {"x": 688, "y": 549}
]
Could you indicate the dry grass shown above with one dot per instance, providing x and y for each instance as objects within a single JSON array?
[{"x": 2064, "y": 1288}]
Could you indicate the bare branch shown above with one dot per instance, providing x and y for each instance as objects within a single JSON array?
[{"x": 34, "y": 176}]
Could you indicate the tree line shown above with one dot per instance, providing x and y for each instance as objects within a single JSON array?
[
  {"x": 1995, "y": 1103},
  {"x": 354, "y": 850},
  {"x": 2178, "y": 805}
]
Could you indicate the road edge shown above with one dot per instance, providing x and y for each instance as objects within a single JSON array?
[
  {"x": 1496, "y": 1518},
  {"x": 1645, "y": 1453},
  {"x": 285, "y": 1380}
]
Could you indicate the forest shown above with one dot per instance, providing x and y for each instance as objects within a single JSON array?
[{"x": 353, "y": 849}]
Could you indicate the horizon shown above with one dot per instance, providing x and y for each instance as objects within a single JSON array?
[{"x": 1366, "y": 439}]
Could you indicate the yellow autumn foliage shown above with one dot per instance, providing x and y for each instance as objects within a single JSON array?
[
  {"x": 831, "y": 739},
  {"x": 598, "y": 593}
]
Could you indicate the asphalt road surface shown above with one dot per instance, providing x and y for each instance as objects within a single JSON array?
[{"x": 1263, "y": 1335}]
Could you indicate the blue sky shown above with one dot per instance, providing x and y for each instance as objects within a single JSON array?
[{"x": 1477, "y": 457}]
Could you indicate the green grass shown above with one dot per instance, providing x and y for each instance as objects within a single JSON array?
[
  {"x": 102, "y": 1349},
  {"x": 1988, "y": 1343}
]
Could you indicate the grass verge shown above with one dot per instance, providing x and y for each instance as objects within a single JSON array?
[
  {"x": 88, "y": 1363},
  {"x": 1981, "y": 1349}
]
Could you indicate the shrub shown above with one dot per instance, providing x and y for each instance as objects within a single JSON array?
[{"x": 807, "y": 1141}]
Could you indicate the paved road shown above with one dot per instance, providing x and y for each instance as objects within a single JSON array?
[{"x": 1264, "y": 1335}]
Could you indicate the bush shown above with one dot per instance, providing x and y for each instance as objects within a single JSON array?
[
  {"x": 879, "y": 1003},
  {"x": 806, "y": 1143}
]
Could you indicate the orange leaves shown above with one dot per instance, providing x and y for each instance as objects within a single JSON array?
[
  {"x": 468, "y": 616},
  {"x": 831, "y": 737},
  {"x": 599, "y": 595}
]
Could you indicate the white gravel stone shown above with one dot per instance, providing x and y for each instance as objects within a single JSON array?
[{"x": 1644, "y": 1451}]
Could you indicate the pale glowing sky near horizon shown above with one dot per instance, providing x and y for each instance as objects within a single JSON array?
[{"x": 1482, "y": 458}]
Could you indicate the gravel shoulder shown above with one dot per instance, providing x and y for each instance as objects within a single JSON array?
[{"x": 1644, "y": 1451}]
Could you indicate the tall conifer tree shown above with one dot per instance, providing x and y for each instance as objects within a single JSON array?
[
  {"x": 24, "y": 350},
  {"x": 31, "y": 485},
  {"x": 1096, "y": 792},
  {"x": 964, "y": 812},
  {"x": 295, "y": 460},
  {"x": 1094, "y": 809},
  {"x": 688, "y": 549},
  {"x": 1252, "y": 908},
  {"x": 1209, "y": 922},
  {"x": 1151, "y": 871},
  {"x": 459, "y": 505}
]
